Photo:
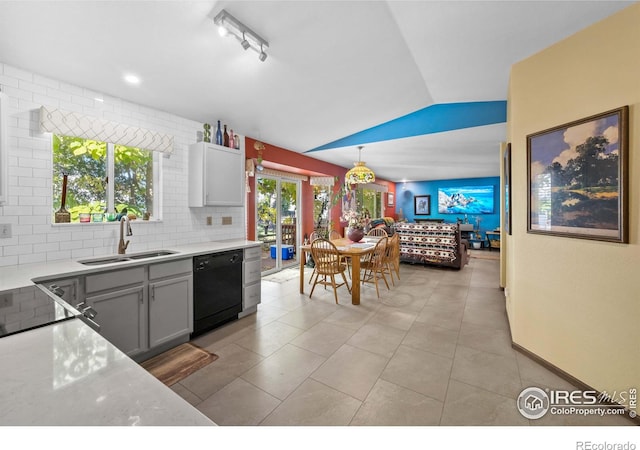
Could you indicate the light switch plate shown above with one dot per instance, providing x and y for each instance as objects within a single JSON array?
[{"x": 5, "y": 230}]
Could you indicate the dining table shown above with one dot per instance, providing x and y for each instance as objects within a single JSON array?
[{"x": 347, "y": 248}]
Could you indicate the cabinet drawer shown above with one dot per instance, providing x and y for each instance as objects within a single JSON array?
[
  {"x": 251, "y": 296},
  {"x": 252, "y": 271},
  {"x": 171, "y": 268},
  {"x": 114, "y": 279},
  {"x": 252, "y": 253}
]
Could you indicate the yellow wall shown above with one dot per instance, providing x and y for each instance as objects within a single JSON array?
[{"x": 576, "y": 302}]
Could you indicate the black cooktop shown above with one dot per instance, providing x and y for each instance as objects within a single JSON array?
[{"x": 30, "y": 307}]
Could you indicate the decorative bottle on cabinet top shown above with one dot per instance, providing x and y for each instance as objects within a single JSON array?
[
  {"x": 218, "y": 134},
  {"x": 231, "y": 139},
  {"x": 236, "y": 142},
  {"x": 226, "y": 137}
]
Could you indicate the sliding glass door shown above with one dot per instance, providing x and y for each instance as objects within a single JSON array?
[{"x": 277, "y": 224}]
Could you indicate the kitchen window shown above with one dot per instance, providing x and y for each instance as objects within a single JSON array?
[{"x": 103, "y": 179}]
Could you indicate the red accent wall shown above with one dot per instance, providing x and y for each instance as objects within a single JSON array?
[{"x": 304, "y": 164}]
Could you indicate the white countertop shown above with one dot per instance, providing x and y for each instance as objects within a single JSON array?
[
  {"x": 67, "y": 374},
  {"x": 19, "y": 276}
]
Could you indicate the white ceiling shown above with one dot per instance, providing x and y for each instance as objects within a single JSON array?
[{"x": 334, "y": 68}]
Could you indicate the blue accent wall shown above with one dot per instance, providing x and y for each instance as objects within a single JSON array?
[{"x": 406, "y": 192}]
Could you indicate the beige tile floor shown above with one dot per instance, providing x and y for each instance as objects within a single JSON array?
[{"x": 433, "y": 350}]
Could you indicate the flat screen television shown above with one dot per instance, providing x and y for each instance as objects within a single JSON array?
[{"x": 465, "y": 200}]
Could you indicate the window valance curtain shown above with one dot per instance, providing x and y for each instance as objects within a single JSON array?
[
  {"x": 75, "y": 124},
  {"x": 322, "y": 181},
  {"x": 282, "y": 174},
  {"x": 374, "y": 187}
]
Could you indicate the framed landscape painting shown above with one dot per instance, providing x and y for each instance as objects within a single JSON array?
[
  {"x": 465, "y": 200},
  {"x": 577, "y": 176},
  {"x": 422, "y": 205}
]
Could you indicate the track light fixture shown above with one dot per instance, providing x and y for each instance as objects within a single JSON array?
[
  {"x": 246, "y": 36},
  {"x": 245, "y": 44}
]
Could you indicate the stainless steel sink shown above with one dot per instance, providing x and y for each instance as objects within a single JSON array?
[
  {"x": 123, "y": 258},
  {"x": 151, "y": 254},
  {"x": 100, "y": 261}
]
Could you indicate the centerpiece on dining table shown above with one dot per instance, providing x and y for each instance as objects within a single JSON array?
[{"x": 356, "y": 222}]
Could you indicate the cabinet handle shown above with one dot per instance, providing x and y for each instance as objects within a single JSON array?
[
  {"x": 140, "y": 297},
  {"x": 153, "y": 293}
]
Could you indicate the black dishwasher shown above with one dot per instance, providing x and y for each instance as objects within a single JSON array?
[{"x": 217, "y": 289}]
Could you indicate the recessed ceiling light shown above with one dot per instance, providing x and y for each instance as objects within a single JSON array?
[{"x": 132, "y": 79}]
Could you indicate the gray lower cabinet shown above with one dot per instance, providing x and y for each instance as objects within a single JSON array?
[
  {"x": 70, "y": 288},
  {"x": 143, "y": 308},
  {"x": 122, "y": 318},
  {"x": 170, "y": 301},
  {"x": 120, "y": 300},
  {"x": 252, "y": 277}
]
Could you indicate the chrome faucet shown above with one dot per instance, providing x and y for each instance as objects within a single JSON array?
[{"x": 122, "y": 245}]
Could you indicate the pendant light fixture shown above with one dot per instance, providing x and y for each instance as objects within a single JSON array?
[{"x": 360, "y": 174}]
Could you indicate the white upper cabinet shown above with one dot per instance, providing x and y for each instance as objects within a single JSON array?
[{"x": 216, "y": 175}]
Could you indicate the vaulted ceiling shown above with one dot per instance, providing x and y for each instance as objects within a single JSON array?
[{"x": 337, "y": 75}]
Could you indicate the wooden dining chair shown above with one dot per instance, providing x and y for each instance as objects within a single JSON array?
[
  {"x": 328, "y": 265},
  {"x": 346, "y": 259},
  {"x": 312, "y": 237},
  {"x": 377, "y": 232},
  {"x": 374, "y": 265},
  {"x": 392, "y": 257}
]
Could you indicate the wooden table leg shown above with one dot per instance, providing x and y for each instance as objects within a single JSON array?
[
  {"x": 355, "y": 280},
  {"x": 303, "y": 258}
]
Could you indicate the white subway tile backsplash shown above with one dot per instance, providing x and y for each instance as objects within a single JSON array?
[
  {"x": 13, "y": 210},
  {"x": 58, "y": 95},
  {"x": 58, "y": 255},
  {"x": 6, "y": 261},
  {"x": 17, "y": 73},
  {"x": 62, "y": 236},
  {"x": 10, "y": 250},
  {"x": 32, "y": 258},
  {"x": 9, "y": 81},
  {"x": 47, "y": 82},
  {"x": 77, "y": 253},
  {"x": 34, "y": 88},
  {"x": 82, "y": 100},
  {"x": 32, "y": 238},
  {"x": 34, "y": 201},
  {"x": 29, "y": 203}
]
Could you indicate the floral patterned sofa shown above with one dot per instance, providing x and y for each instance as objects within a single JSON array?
[{"x": 433, "y": 243}]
